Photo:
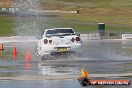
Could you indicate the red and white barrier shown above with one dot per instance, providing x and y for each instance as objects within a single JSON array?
[{"x": 126, "y": 36}]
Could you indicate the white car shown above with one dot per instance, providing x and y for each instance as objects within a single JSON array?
[{"x": 58, "y": 40}]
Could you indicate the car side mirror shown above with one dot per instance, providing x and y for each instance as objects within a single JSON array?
[{"x": 78, "y": 34}]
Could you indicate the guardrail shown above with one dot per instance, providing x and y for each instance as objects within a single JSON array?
[
  {"x": 18, "y": 39},
  {"x": 84, "y": 37},
  {"x": 91, "y": 36},
  {"x": 126, "y": 36}
]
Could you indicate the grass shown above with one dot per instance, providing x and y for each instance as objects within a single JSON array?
[
  {"x": 91, "y": 3},
  {"x": 112, "y": 22},
  {"x": 85, "y": 27},
  {"x": 82, "y": 28},
  {"x": 116, "y": 14},
  {"x": 6, "y": 26}
]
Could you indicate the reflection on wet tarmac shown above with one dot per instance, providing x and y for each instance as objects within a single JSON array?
[{"x": 101, "y": 59}]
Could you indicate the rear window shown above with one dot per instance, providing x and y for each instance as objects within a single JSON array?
[{"x": 56, "y": 31}]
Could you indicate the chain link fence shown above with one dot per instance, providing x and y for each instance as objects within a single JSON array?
[
  {"x": 108, "y": 34},
  {"x": 112, "y": 35}
]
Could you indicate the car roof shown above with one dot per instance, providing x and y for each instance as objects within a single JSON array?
[{"x": 58, "y": 28}]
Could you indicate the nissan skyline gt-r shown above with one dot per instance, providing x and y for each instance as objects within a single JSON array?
[{"x": 58, "y": 40}]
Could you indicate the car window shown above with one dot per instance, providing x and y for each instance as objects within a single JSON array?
[
  {"x": 51, "y": 32},
  {"x": 57, "y": 31}
]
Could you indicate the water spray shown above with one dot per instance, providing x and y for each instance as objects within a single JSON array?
[{"x": 28, "y": 23}]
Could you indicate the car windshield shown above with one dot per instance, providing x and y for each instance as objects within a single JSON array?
[{"x": 59, "y": 32}]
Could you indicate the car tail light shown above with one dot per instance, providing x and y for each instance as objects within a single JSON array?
[
  {"x": 78, "y": 39},
  {"x": 72, "y": 39},
  {"x": 45, "y": 41},
  {"x": 50, "y": 41}
]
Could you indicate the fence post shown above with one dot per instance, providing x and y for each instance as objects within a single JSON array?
[
  {"x": 120, "y": 34},
  {"x": 108, "y": 33}
]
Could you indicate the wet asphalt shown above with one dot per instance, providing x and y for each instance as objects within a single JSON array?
[{"x": 96, "y": 57}]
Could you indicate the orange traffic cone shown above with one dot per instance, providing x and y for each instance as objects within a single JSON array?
[
  {"x": 1, "y": 46},
  {"x": 28, "y": 56},
  {"x": 14, "y": 50},
  {"x": 14, "y": 53}
]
